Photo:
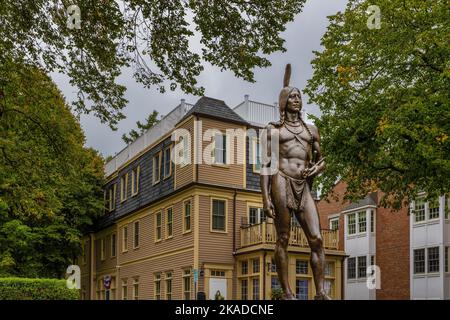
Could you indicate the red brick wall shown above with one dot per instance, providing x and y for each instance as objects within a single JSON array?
[{"x": 392, "y": 253}]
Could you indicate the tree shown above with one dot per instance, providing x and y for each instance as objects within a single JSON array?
[
  {"x": 151, "y": 120},
  {"x": 152, "y": 37},
  {"x": 50, "y": 185},
  {"x": 385, "y": 99}
]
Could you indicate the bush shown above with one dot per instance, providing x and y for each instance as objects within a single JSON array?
[
  {"x": 277, "y": 294},
  {"x": 36, "y": 289}
]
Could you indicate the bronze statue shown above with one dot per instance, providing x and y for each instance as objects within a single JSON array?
[{"x": 288, "y": 190}]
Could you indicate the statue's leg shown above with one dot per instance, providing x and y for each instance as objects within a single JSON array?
[
  {"x": 310, "y": 223},
  {"x": 282, "y": 226}
]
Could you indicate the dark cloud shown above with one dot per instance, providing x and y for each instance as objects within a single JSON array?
[{"x": 302, "y": 36}]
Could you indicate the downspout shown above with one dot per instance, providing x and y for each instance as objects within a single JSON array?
[
  {"x": 91, "y": 268},
  {"x": 342, "y": 279},
  {"x": 234, "y": 221},
  {"x": 196, "y": 138},
  {"x": 264, "y": 275}
]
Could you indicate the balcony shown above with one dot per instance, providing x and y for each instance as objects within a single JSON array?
[{"x": 265, "y": 233}]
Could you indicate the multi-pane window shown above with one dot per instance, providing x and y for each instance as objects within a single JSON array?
[
  {"x": 187, "y": 284},
  {"x": 157, "y": 168},
  {"x": 273, "y": 266},
  {"x": 125, "y": 238},
  {"x": 244, "y": 267},
  {"x": 329, "y": 269},
  {"x": 220, "y": 150},
  {"x": 447, "y": 206},
  {"x": 362, "y": 266},
  {"x": 419, "y": 261},
  {"x": 169, "y": 285},
  {"x": 256, "y": 155},
  {"x": 433, "y": 209},
  {"x": 351, "y": 268},
  {"x": 187, "y": 216},
  {"x": 136, "y": 289},
  {"x": 362, "y": 221},
  {"x": 351, "y": 223},
  {"x": 447, "y": 249},
  {"x": 113, "y": 245},
  {"x": 102, "y": 249},
  {"x": 136, "y": 235},
  {"x": 135, "y": 180},
  {"x": 372, "y": 221},
  {"x": 167, "y": 163},
  {"x": 244, "y": 289},
  {"x": 169, "y": 223},
  {"x": 255, "y": 288},
  {"x": 301, "y": 267},
  {"x": 218, "y": 273},
  {"x": 301, "y": 289},
  {"x": 334, "y": 223},
  {"x": 218, "y": 215},
  {"x": 255, "y": 264},
  {"x": 372, "y": 260},
  {"x": 433, "y": 259},
  {"x": 158, "y": 226},
  {"x": 111, "y": 197},
  {"x": 256, "y": 215},
  {"x": 157, "y": 286},
  {"x": 124, "y": 289},
  {"x": 419, "y": 211},
  {"x": 123, "y": 187}
]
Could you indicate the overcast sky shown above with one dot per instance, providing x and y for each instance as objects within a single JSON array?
[{"x": 302, "y": 37}]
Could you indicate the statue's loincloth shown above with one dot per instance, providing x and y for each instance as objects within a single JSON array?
[{"x": 295, "y": 192}]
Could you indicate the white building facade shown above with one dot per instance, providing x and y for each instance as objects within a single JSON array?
[{"x": 429, "y": 248}]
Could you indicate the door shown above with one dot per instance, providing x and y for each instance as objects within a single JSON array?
[{"x": 217, "y": 284}]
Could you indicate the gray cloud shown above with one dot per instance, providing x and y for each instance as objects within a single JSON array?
[{"x": 302, "y": 36}]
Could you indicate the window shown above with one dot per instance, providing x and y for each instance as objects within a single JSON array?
[
  {"x": 111, "y": 198},
  {"x": 328, "y": 285},
  {"x": 187, "y": 216},
  {"x": 447, "y": 249},
  {"x": 84, "y": 253},
  {"x": 158, "y": 228},
  {"x": 419, "y": 211},
  {"x": 102, "y": 249},
  {"x": 218, "y": 273},
  {"x": 255, "y": 264},
  {"x": 135, "y": 180},
  {"x": 256, "y": 155},
  {"x": 372, "y": 221},
  {"x": 433, "y": 209},
  {"x": 169, "y": 223},
  {"x": 157, "y": 168},
  {"x": 256, "y": 215},
  {"x": 351, "y": 223},
  {"x": 157, "y": 286},
  {"x": 169, "y": 285},
  {"x": 301, "y": 267},
  {"x": 244, "y": 267},
  {"x": 167, "y": 163},
  {"x": 124, "y": 289},
  {"x": 362, "y": 221},
  {"x": 136, "y": 289},
  {"x": 187, "y": 284},
  {"x": 220, "y": 150},
  {"x": 329, "y": 269},
  {"x": 301, "y": 289},
  {"x": 255, "y": 288},
  {"x": 218, "y": 215},
  {"x": 244, "y": 289},
  {"x": 351, "y": 268},
  {"x": 274, "y": 283},
  {"x": 419, "y": 261},
  {"x": 447, "y": 206},
  {"x": 125, "y": 239},
  {"x": 334, "y": 223},
  {"x": 113, "y": 245},
  {"x": 362, "y": 266},
  {"x": 136, "y": 235},
  {"x": 273, "y": 266},
  {"x": 184, "y": 152},
  {"x": 372, "y": 260},
  {"x": 123, "y": 187},
  {"x": 433, "y": 259}
]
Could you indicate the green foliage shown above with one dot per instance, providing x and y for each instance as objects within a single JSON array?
[
  {"x": 151, "y": 120},
  {"x": 36, "y": 289},
  {"x": 385, "y": 99},
  {"x": 155, "y": 38},
  {"x": 50, "y": 185},
  {"x": 276, "y": 294}
]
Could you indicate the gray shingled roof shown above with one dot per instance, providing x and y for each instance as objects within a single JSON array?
[
  {"x": 370, "y": 199},
  {"x": 214, "y": 108}
]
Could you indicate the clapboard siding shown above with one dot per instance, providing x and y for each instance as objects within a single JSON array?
[
  {"x": 185, "y": 173},
  {"x": 109, "y": 262},
  {"x": 233, "y": 174}
]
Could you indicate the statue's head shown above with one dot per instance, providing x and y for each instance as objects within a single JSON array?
[{"x": 290, "y": 97}]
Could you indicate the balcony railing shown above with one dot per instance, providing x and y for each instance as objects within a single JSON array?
[{"x": 265, "y": 233}]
